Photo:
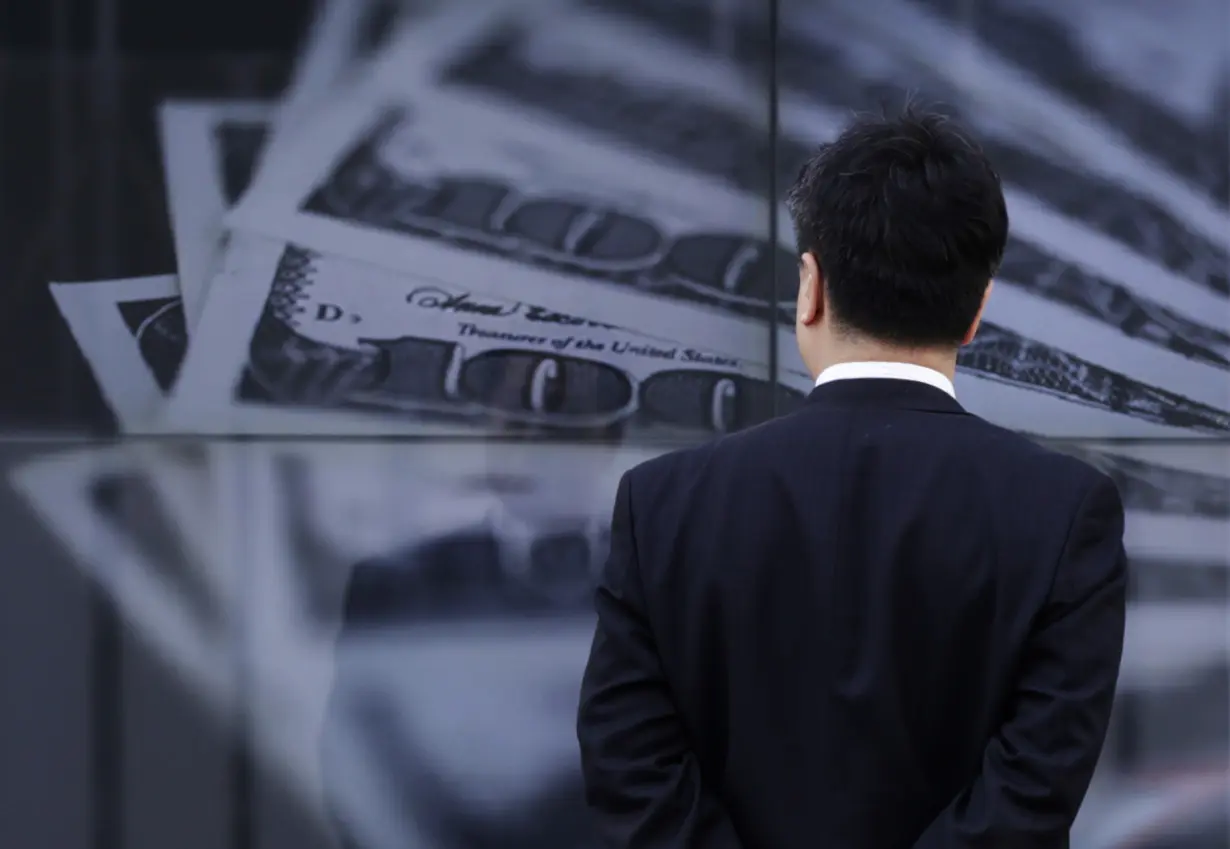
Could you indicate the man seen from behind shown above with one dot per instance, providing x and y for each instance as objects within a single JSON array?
[{"x": 877, "y": 622}]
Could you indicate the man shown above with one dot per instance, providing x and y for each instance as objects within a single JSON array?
[{"x": 879, "y": 621}]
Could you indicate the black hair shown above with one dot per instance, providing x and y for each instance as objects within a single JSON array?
[{"x": 906, "y": 218}]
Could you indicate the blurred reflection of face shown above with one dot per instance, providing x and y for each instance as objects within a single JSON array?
[{"x": 480, "y": 699}]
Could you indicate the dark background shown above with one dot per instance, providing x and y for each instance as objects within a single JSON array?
[
  {"x": 150, "y": 26},
  {"x": 81, "y": 190}
]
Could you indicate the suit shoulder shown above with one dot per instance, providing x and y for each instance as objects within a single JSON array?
[
  {"x": 670, "y": 465},
  {"x": 697, "y": 457},
  {"x": 1039, "y": 457},
  {"x": 674, "y": 472}
]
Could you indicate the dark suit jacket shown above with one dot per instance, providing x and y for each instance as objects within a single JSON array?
[{"x": 877, "y": 621}]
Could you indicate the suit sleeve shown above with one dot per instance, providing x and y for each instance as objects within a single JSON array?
[
  {"x": 1037, "y": 767},
  {"x": 641, "y": 777}
]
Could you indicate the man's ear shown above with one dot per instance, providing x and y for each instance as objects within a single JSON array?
[
  {"x": 810, "y": 305},
  {"x": 973, "y": 328}
]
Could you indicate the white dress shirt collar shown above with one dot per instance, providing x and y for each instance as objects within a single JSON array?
[{"x": 891, "y": 371}]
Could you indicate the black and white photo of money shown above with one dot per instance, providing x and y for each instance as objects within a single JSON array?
[
  {"x": 1157, "y": 73},
  {"x": 669, "y": 124},
  {"x": 345, "y": 35},
  {"x": 341, "y": 506},
  {"x": 396, "y": 188},
  {"x": 1084, "y": 241},
  {"x": 708, "y": 393},
  {"x": 1100, "y": 137},
  {"x": 103, "y": 506},
  {"x": 306, "y": 496},
  {"x": 175, "y": 685},
  {"x": 133, "y": 335},
  {"x": 307, "y": 334},
  {"x": 1149, "y": 479},
  {"x": 1170, "y": 490},
  {"x": 212, "y": 148},
  {"x": 209, "y": 152},
  {"x": 230, "y": 136},
  {"x": 186, "y": 607},
  {"x": 1174, "y": 511},
  {"x": 1059, "y": 211}
]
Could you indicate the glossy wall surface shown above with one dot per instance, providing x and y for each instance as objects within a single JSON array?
[{"x": 327, "y": 336}]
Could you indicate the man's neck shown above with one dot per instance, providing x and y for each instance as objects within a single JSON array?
[{"x": 943, "y": 361}]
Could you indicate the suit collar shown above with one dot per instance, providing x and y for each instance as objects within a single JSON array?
[
  {"x": 895, "y": 370},
  {"x": 885, "y": 393}
]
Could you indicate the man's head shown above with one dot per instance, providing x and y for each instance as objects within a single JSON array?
[{"x": 901, "y": 225}]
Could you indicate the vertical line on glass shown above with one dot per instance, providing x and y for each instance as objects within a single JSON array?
[
  {"x": 774, "y": 321},
  {"x": 242, "y": 784}
]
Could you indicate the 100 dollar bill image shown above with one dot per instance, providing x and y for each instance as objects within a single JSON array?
[
  {"x": 1103, "y": 268},
  {"x": 1094, "y": 245},
  {"x": 825, "y": 58},
  {"x": 573, "y": 74},
  {"x": 446, "y": 359},
  {"x": 289, "y": 335},
  {"x": 425, "y": 180}
]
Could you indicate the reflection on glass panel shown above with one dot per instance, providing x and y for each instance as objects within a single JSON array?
[{"x": 401, "y": 627}]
